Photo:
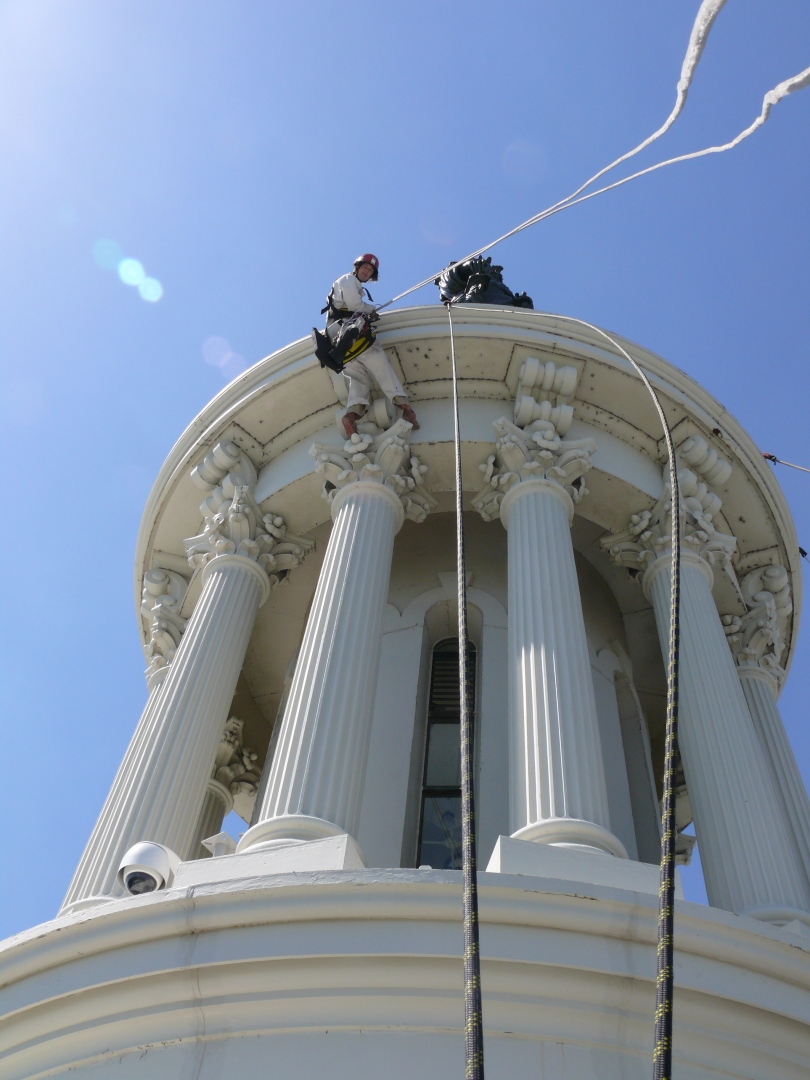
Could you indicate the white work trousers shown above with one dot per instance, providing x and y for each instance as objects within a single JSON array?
[{"x": 373, "y": 362}]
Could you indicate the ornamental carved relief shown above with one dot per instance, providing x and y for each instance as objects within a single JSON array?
[
  {"x": 235, "y": 766},
  {"x": 648, "y": 534},
  {"x": 757, "y": 638},
  {"x": 532, "y": 445},
  {"x": 161, "y": 602},
  {"x": 234, "y": 524},
  {"x": 386, "y": 459}
]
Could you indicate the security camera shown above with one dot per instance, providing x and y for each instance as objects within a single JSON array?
[{"x": 147, "y": 867}]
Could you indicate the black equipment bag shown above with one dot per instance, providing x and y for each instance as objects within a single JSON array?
[{"x": 354, "y": 337}]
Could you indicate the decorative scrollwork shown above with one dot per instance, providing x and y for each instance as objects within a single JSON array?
[{"x": 382, "y": 459}]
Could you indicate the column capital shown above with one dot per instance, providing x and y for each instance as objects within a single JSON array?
[
  {"x": 759, "y": 674},
  {"x": 382, "y": 461},
  {"x": 648, "y": 533},
  {"x": 235, "y": 525},
  {"x": 531, "y": 454},
  {"x": 234, "y": 770},
  {"x": 221, "y": 793},
  {"x": 757, "y": 638},
  {"x": 531, "y": 446},
  {"x": 536, "y": 484}
]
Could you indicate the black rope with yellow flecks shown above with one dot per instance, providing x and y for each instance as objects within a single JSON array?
[
  {"x": 664, "y": 986},
  {"x": 662, "y": 1048},
  {"x": 473, "y": 1020}
]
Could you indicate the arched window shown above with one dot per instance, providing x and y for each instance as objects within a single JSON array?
[{"x": 440, "y": 819}]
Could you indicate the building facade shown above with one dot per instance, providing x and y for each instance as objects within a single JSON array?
[{"x": 296, "y": 595}]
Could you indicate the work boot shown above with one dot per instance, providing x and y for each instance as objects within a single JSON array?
[
  {"x": 350, "y": 424},
  {"x": 409, "y": 415}
]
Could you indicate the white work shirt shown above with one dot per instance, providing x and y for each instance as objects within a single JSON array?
[{"x": 349, "y": 294}]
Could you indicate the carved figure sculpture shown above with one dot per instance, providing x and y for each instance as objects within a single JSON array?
[{"x": 477, "y": 281}]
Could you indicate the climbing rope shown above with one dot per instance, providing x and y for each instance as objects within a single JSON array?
[
  {"x": 707, "y": 13},
  {"x": 662, "y": 1051},
  {"x": 778, "y": 461},
  {"x": 662, "y": 1054},
  {"x": 473, "y": 1020}
]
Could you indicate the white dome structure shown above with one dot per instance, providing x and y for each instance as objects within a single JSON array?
[{"x": 296, "y": 595}]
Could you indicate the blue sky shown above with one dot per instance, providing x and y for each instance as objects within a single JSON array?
[{"x": 243, "y": 153}]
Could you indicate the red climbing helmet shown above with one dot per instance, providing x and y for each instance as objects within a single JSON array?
[{"x": 372, "y": 261}]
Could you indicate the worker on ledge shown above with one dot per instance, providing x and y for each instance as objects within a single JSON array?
[{"x": 346, "y": 297}]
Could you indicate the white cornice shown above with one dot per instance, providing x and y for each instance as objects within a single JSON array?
[{"x": 545, "y": 331}]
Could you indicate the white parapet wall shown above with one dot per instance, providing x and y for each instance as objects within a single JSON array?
[{"x": 357, "y": 973}]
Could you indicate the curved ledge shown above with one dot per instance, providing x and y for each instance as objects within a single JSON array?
[{"x": 531, "y": 329}]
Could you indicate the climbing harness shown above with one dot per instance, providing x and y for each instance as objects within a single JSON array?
[{"x": 473, "y": 1020}]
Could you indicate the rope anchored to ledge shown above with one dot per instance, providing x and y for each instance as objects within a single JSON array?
[{"x": 473, "y": 1019}]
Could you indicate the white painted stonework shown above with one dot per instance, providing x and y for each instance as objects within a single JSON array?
[{"x": 294, "y": 625}]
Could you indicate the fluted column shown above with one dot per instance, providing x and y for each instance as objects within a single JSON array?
[
  {"x": 159, "y": 789},
  {"x": 316, "y": 780},
  {"x": 315, "y": 784},
  {"x": 757, "y": 643},
  {"x": 217, "y": 802},
  {"x": 748, "y": 855},
  {"x": 760, "y": 692},
  {"x": 557, "y": 783},
  {"x": 232, "y": 783}
]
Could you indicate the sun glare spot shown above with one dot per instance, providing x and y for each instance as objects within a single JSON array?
[
  {"x": 131, "y": 271},
  {"x": 150, "y": 289},
  {"x": 109, "y": 255}
]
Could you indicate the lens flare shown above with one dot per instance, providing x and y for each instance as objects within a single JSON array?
[
  {"x": 107, "y": 254},
  {"x": 150, "y": 289},
  {"x": 217, "y": 352},
  {"x": 131, "y": 271}
]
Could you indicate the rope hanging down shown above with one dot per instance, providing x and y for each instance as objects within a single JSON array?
[
  {"x": 473, "y": 1020},
  {"x": 664, "y": 985},
  {"x": 662, "y": 1052}
]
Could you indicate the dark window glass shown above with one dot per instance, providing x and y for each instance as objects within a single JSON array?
[
  {"x": 441, "y": 832},
  {"x": 440, "y": 824}
]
